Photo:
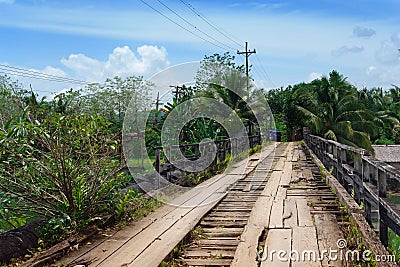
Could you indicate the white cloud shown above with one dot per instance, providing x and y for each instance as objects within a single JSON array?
[
  {"x": 346, "y": 49},
  {"x": 54, "y": 71},
  {"x": 359, "y": 31},
  {"x": 371, "y": 70},
  {"x": 391, "y": 75},
  {"x": 121, "y": 62},
  {"x": 387, "y": 75},
  {"x": 388, "y": 52},
  {"x": 268, "y": 5},
  {"x": 313, "y": 76}
]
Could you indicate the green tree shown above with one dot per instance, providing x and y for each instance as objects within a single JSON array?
[
  {"x": 215, "y": 68},
  {"x": 111, "y": 99},
  {"x": 376, "y": 101},
  {"x": 12, "y": 95},
  {"x": 333, "y": 111},
  {"x": 220, "y": 78}
]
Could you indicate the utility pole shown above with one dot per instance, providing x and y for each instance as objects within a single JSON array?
[
  {"x": 177, "y": 91},
  {"x": 158, "y": 103},
  {"x": 247, "y": 52}
]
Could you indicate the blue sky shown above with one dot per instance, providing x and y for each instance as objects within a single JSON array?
[{"x": 295, "y": 40}]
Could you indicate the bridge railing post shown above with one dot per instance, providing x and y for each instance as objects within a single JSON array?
[
  {"x": 358, "y": 181},
  {"x": 157, "y": 160},
  {"x": 382, "y": 193},
  {"x": 336, "y": 157}
]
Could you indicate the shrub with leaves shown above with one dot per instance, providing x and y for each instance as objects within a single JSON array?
[{"x": 59, "y": 166}]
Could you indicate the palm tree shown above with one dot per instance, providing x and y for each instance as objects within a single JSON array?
[
  {"x": 332, "y": 110},
  {"x": 385, "y": 119}
]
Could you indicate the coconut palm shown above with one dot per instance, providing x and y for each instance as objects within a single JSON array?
[
  {"x": 385, "y": 119},
  {"x": 333, "y": 111}
]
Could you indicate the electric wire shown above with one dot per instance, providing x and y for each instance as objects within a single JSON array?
[
  {"x": 194, "y": 26},
  {"x": 264, "y": 71},
  {"x": 225, "y": 34},
  {"x": 38, "y": 75},
  {"x": 180, "y": 26}
]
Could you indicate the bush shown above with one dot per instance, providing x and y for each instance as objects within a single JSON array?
[{"x": 59, "y": 167}]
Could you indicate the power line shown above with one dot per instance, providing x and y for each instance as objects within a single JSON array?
[
  {"x": 179, "y": 25},
  {"x": 191, "y": 24},
  {"x": 265, "y": 72},
  {"x": 38, "y": 75},
  {"x": 225, "y": 34}
]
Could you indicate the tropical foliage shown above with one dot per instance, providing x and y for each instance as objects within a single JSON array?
[
  {"x": 332, "y": 108},
  {"x": 60, "y": 159},
  {"x": 334, "y": 112}
]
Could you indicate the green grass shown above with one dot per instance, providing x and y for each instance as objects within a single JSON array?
[
  {"x": 395, "y": 198},
  {"x": 394, "y": 244}
]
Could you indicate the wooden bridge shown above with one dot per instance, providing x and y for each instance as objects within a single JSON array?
[{"x": 291, "y": 214}]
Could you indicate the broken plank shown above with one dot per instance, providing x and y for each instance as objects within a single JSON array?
[
  {"x": 246, "y": 252},
  {"x": 328, "y": 234},
  {"x": 277, "y": 240},
  {"x": 289, "y": 213}
]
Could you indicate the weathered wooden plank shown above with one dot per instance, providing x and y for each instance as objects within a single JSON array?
[
  {"x": 247, "y": 188},
  {"x": 305, "y": 243},
  {"x": 287, "y": 174},
  {"x": 303, "y": 213},
  {"x": 207, "y": 262},
  {"x": 289, "y": 213},
  {"x": 281, "y": 192},
  {"x": 296, "y": 155},
  {"x": 223, "y": 224},
  {"x": 272, "y": 186},
  {"x": 302, "y": 155},
  {"x": 280, "y": 164},
  {"x": 296, "y": 176},
  {"x": 216, "y": 253},
  {"x": 224, "y": 218},
  {"x": 307, "y": 174},
  {"x": 276, "y": 219},
  {"x": 230, "y": 214},
  {"x": 328, "y": 234},
  {"x": 277, "y": 240},
  {"x": 218, "y": 242}
]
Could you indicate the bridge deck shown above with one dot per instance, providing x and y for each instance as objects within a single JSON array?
[{"x": 295, "y": 211}]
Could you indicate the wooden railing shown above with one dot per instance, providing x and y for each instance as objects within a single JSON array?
[
  {"x": 193, "y": 151},
  {"x": 364, "y": 177}
]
